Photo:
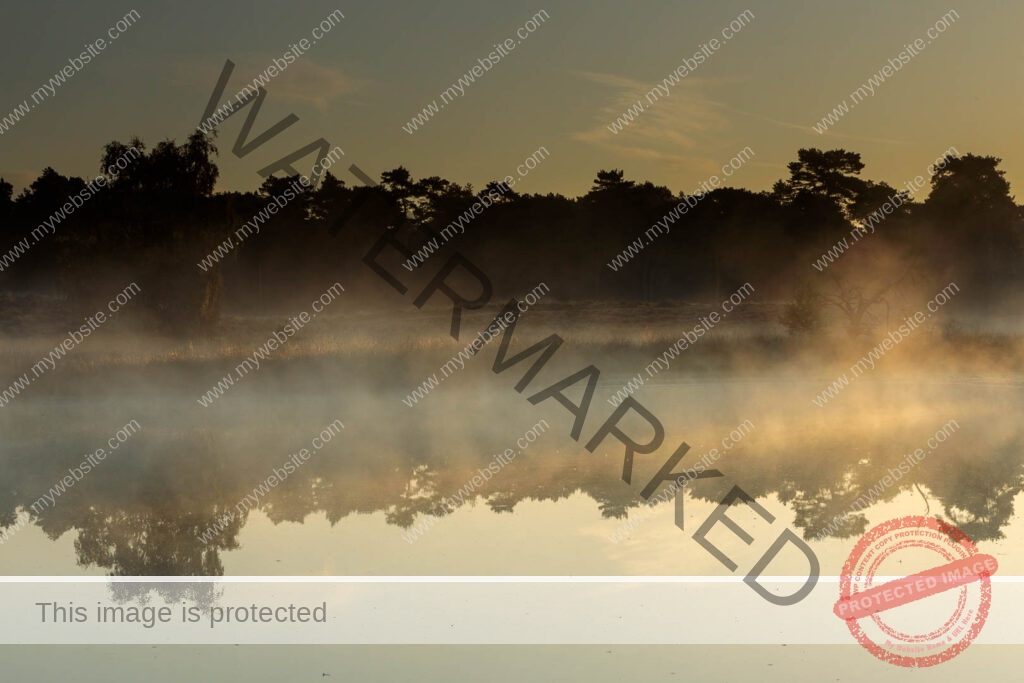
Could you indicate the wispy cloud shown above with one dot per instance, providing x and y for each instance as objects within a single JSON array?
[
  {"x": 808, "y": 130},
  {"x": 670, "y": 130},
  {"x": 307, "y": 81},
  {"x": 303, "y": 80}
]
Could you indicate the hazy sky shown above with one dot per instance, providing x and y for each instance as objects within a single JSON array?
[{"x": 560, "y": 88}]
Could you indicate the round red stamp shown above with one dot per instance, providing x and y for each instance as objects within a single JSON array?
[{"x": 915, "y": 591}]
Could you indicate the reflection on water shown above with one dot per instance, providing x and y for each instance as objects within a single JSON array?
[{"x": 549, "y": 511}]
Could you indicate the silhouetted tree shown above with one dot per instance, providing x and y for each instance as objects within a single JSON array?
[
  {"x": 160, "y": 216},
  {"x": 832, "y": 174},
  {"x": 6, "y": 201}
]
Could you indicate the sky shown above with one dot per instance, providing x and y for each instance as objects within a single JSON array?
[{"x": 559, "y": 88}]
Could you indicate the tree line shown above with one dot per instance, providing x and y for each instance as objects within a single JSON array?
[{"x": 157, "y": 218}]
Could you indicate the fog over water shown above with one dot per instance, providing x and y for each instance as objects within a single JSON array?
[{"x": 554, "y": 508}]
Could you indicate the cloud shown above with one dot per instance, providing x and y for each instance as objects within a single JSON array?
[
  {"x": 809, "y": 130},
  {"x": 668, "y": 130},
  {"x": 306, "y": 81},
  {"x": 301, "y": 81}
]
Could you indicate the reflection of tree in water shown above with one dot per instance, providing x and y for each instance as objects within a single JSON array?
[
  {"x": 814, "y": 512},
  {"x": 203, "y": 595},
  {"x": 144, "y": 544},
  {"x": 817, "y": 485},
  {"x": 524, "y": 479},
  {"x": 138, "y": 517},
  {"x": 144, "y": 517},
  {"x": 979, "y": 501},
  {"x": 974, "y": 491}
]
